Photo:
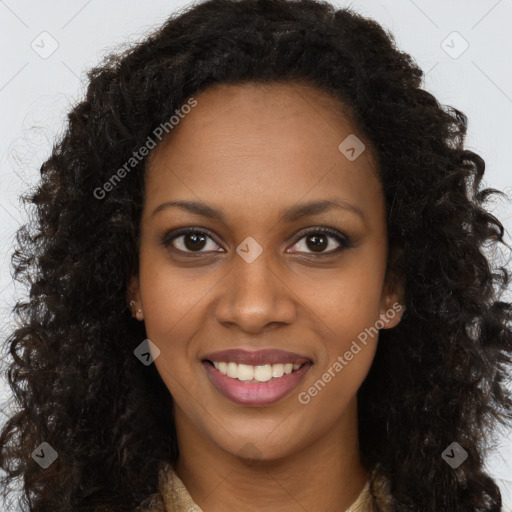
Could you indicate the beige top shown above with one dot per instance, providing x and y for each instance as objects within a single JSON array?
[{"x": 174, "y": 497}]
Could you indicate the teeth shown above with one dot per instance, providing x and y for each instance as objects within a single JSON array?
[
  {"x": 261, "y": 373},
  {"x": 245, "y": 372},
  {"x": 232, "y": 370}
]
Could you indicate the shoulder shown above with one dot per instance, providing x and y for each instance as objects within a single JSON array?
[{"x": 381, "y": 498}]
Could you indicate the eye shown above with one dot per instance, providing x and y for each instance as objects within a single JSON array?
[
  {"x": 194, "y": 240},
  {"x": 317, "y": 239}
]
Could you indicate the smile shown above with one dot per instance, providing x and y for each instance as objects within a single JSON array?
[{"x": 255, "y": 385}]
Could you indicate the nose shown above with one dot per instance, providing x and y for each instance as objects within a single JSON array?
[{"x": 254, "y": 297}]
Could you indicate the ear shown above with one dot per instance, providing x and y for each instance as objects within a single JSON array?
[
  {"x": 133, "y": 298},
  {"x": 392, "y": 301}
]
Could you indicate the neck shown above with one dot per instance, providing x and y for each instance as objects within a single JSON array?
[{"x": 326, "y": 475}]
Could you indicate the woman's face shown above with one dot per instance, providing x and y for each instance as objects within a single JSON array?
[{"x": 256, "y": 278}]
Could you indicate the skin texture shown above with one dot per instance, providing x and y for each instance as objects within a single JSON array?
[
  {"x": 437, "y": 377},
  {"x": 254, "y": 151}
]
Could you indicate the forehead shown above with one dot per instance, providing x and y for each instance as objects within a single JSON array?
[{"x": 257, "y": 141}]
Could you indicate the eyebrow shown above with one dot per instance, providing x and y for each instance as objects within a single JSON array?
[{"x": 287, "y": 216}]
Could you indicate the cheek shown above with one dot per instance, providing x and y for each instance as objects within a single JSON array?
[
  {"x": 347, "y": 308},
  {"x": 345, "y": 300},
  {"x": 172, "y": 297},
  {"x": 343, "y": 364},
  {"x": 172, "y": 301}
]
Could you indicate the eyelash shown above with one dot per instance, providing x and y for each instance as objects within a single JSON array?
[{"x": 344, "y": 241}]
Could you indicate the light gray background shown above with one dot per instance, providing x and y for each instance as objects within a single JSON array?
[{"x": 37, "y": 89}]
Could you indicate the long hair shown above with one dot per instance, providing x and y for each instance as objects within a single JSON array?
[{"x": 437, "y": 378}]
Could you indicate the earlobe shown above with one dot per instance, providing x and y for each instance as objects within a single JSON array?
[
  {"x": 393, "y": 307},
  {"x": 134, "y": 298},
  {"x": 392, "y": 315}
]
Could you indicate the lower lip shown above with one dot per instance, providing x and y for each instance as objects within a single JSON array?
[{"x": 258, "y": 393}]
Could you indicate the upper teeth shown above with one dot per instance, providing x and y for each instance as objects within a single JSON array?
[{"x": 261, "y": 373}]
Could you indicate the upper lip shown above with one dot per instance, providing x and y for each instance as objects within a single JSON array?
[{"x": 257, "y": 358}]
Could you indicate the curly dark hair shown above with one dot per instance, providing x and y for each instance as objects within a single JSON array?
[{"x": 437, "y": 378}]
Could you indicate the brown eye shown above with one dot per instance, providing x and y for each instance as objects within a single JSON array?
[
  {"x": 190, "y": 240},
  {"x": 318, "y": 240}
]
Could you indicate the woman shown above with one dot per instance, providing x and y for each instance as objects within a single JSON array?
[{"x": 256, "y": 266}]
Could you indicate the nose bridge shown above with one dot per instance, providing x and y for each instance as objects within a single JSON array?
[
  {"x": 254, "y": 277},
  {"x": 254, "y": 294}
]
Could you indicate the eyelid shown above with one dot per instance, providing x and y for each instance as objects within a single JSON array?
[{"x": 344, "y": 241}]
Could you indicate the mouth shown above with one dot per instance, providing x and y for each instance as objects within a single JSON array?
[{"x": 257, "y": 385}]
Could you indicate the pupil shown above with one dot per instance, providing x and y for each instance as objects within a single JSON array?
[
  {"x": 316, "y": 243},
  {"x": 197, "y": 239}
]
